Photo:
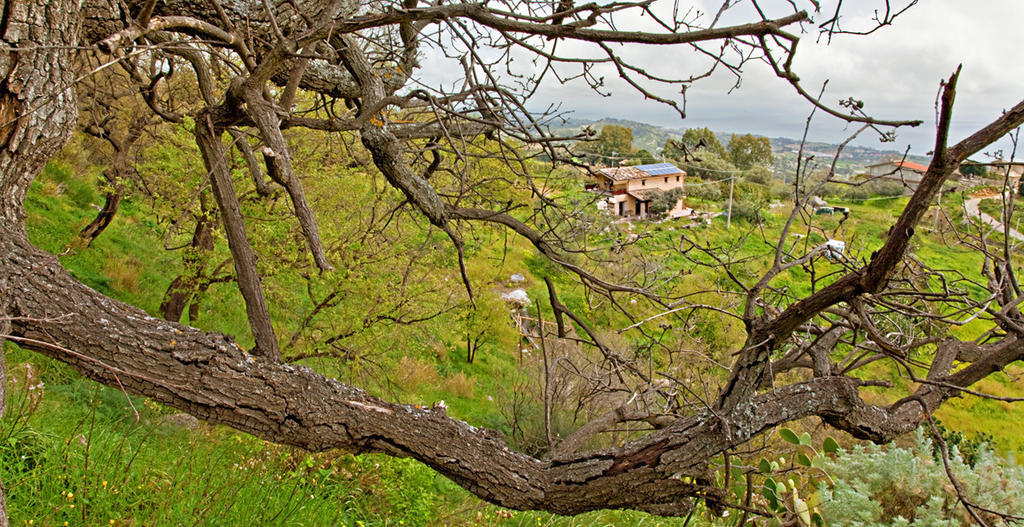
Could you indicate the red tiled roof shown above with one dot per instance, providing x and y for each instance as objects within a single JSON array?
[
  {"x": 909, "y": 165},
  {"x": 912, "y": 166}
]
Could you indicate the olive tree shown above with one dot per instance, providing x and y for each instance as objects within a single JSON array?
[{"x": 260, "y": 68}]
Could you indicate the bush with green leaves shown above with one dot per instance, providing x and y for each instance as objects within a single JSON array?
[
  {"x": 707, "y": 191},
  {"x": 887, "y": 486},
  {"x": 751, "y": 211},
  {"x": 855, "y": 192},
  {"x": 663, "y": 201},
  {"x": 887, "y": 188},
  {"x": 760, "y": 175},
  {"x": 779, "y": 191},
  {"x": 709, "y": 166}
]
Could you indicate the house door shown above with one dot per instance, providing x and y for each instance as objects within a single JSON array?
[
  {"x": 637, "y": 207},
  {"x": 622, "y": 208}
]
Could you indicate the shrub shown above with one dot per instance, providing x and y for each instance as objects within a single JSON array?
[
  {"x": 886, "y": 188},
  {"x": 857, "y": 193},
  {"x": 760, "y": 175},
  {"x": 780, "y": 191},
  {"x": 710, "y": 166},
  {"x": 747, "y": 210},
  {"x": 707, "y": 191},
  {"x": 900, "y": 487},
  {"x": 663, "y": 201}
]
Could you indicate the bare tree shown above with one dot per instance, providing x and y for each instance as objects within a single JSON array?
[{"x": 263, "y": 67}]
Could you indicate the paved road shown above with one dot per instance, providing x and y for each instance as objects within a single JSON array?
[{"x": 972, "y": 208}]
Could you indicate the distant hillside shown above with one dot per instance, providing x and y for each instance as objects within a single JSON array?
[
  {"x": 645, "y": 136},
  {"x": 855, "y": 157},
  {"x": 652, "y": 138}
]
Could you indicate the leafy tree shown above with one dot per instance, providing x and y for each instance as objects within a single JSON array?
[
  {"x": 971, "y": 169},
  {"x": 760, "y": 175},
  {"x": 613, "y": 143},
  {"x": 703, "y": 139},
  {"x": 644, "y": 157},
  {"x": 707, "y": 190},
  {"x": 751, "y": 211},
  {"x": 665, "y": 200},
  {"x": 673, "y": 149},
  {"x": 711, "y": 167},
  {"x": 747, "y": 151},
  {"x": 695, "y": 143},
  {"x": 486, "y": 323}
]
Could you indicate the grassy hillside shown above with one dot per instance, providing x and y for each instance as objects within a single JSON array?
[{"x": 81, "y": 453}]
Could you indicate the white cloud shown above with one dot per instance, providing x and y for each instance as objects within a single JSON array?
[{"x": 895, "y": 71}]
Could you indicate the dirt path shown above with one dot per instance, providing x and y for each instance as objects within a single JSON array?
[{"x": 974, "y": 210}]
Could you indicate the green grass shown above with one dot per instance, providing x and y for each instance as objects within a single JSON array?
[
  {"x": 73, "y": 451},
  {"x": 77, "y": 454},
  {"x": 80, "y": 435}
]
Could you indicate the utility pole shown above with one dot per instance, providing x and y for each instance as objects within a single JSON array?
[{"x": 728, "y": 219}]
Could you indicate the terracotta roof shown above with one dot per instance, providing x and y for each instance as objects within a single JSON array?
[
  {"x": 905, "y": 177},
  {"x": 640, "y": 171},
  {"x": 909, "y": 165},
  {"x": 642, "y": 194},
  {"x": 913, "y": 166},
  {"x": 623, "y": 173}
]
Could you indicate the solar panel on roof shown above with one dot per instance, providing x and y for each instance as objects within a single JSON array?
[{"x": 659, "y": 169}]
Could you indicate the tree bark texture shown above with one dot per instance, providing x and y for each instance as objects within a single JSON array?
[
  {"x": 37, "y": 114},
  {"x": 111, "y": 203}
]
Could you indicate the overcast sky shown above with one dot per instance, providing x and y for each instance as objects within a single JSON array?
[{"x": 895, "y": 71}]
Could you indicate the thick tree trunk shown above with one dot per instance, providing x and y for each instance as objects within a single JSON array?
[
  {"x": 37, "y": 96},
  {"x": 37, "y": 112}
]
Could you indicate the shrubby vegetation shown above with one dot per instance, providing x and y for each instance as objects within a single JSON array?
[
  {"x": 747, "y": 151},
  {"x": 431, "y": 364},
  {"x": 862, "y": 191},
  {"x": 707, "y": 191},
  {"x": 665, "y": 200},
  {"x": 751, "y": 211},
  {"x": 903, "y": 486}
]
